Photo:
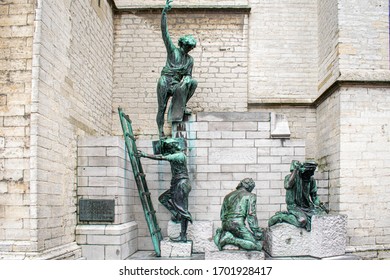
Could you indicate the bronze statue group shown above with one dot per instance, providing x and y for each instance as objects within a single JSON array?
[{"x": 239, "y": 207}]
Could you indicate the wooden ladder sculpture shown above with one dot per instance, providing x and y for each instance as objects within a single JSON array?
[{"x": 139, "y": 177}]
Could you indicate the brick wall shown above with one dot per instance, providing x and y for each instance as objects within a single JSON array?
[
  {"x": 72, "y": 97},
  {"x": 177, "y": 3},
  {"x": 283, "y": 51},
  {"x": 359, "y": 49},
  {"x": 328, "y": 147},
  {"x": 16, "y": 36},
  {"x": 328, "y": 39},
  {"x": 364, "y": 168},
  {"x": 104, "y": 172}
]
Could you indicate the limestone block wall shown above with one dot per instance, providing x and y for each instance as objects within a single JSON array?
[
  {"x": 71, "y": 96},
  {"x": 360, "y": 50},
  {"x": 364, "y": 168},
  {"x": 220, "y": 65},
  {"x": 123, "y": 4},
  {"x": 104, "y": 172},
  {"x": 328, "y": 44},
  {"x": 16, "y": 37},
  {"x": 283, "y": 43},
  {"x": 224, "y": 148},
  {"x": 328, "y": 148},
  {"x": 56, "y": 85}
]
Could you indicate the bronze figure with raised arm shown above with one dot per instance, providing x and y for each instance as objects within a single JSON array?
[{"x": 176, "y": 77}]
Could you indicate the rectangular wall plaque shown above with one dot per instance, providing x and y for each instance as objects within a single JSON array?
[{"x": 96, "y": 210}]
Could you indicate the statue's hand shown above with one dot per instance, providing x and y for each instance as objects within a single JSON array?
[
  {"x": 258, "y": 235},
  {"x": 140, "y": 154},
  {"x": 168, "y": 5}
]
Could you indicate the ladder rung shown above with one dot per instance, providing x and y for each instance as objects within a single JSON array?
[
  {"x": 130, "y": 136},
  {"x": 151, "y": 212},
  {"x": 142, "y": 175},
  {"x": 146, "y": 193}
]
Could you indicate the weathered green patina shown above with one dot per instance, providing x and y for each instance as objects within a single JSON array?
[
  {"x": 301, "y": 197},
  {"x": 176, "y": 76},
  {"x": 238, "y": 208},
  {"x": 175, "y": 199},
  {"x": 142, "y": 186}
]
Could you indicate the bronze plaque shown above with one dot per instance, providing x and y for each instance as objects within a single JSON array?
[{"x": 96, "y": 210}]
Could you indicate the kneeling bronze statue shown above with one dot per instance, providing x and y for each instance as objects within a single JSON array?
[{"x": 238, "y": 208}]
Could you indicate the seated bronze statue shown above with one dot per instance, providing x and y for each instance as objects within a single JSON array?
[{"x": 301, "y": 197}]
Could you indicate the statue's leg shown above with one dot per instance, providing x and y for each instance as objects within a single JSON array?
[
  {"x": 180, "y": 198},
  {"x": 275, "y": 219},
  {"x": 162, "y": 99},
  {"x": 240, "y": 236},
  {"x": 165, "y": 199},
  {"x": 186, "y": 90},
  {"x": 183, "y": 232},
  {"x": 191, "y": 87},
  {"x": 247, "y": 244},
  {"x": 296, "y": 218}
]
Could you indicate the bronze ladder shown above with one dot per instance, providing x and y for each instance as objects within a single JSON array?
[{"x": 139, "y": 177}]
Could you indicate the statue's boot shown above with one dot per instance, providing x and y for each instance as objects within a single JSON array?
[
  {"x": 226, "y": 238},
  {"x": 183, "y": 232}
]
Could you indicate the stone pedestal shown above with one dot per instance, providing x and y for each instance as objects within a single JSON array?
[
  {"x": 327, "y": 238},
  {"x": 107, "y": 242},
  {"x": 231, "y": 252},
  {"x": 200, "y": 232},
  {"x": 175, "y": 249}
]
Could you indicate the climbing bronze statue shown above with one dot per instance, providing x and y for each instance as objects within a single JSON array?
[
  {"x": 301, "y": 197},
  {"x": 176, "y": 77},
  {"x": 175, "y": 199},
  {"x": 239, "y": 208}
]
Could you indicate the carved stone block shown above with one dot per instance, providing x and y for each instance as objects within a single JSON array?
[
  {"x": 200, "y": 232},
  {"x": 327, "y": 238},
  {"x": 233, "y": 253},
  {"x": 175, "y": 249}
]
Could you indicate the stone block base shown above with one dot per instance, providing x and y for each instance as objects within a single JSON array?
[
  {"x": 69, "y": 251},
  {"x": 175, "y": 249},
  {"x": 200, "y": 232},
  {"x": 230, "y": 254},
  {"x": 327, "y": 238},
  {"x": 107, "y": 242}
]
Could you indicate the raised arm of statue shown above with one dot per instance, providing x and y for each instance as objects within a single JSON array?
[{"x": 164, "y": 27}]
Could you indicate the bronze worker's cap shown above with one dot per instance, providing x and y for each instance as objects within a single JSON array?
[{"x": 311, "y": 164}]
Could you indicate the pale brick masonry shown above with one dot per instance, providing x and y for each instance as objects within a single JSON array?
[
  {"x": 104, "y": 172},
  {"x": 16, "y": 37}
]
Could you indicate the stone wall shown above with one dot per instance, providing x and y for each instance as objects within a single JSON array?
[
  {"x": 328, "y": 147},
  {"x": 328, "y": 48},
  {"x": 72, "y": 96},
  {"x": 60, "y": 72},
  {"x": 104, "y": 172},
  {"x": 16, "y": 37},
  {"x": 364, "y": 168},
  {"x": 370, "y": 51},
  {"x": 283, "y": 51}
]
